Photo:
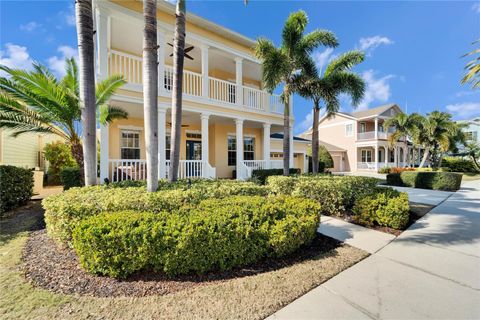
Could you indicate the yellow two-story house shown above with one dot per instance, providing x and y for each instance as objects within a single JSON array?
[{"x": 229, "y": 123}]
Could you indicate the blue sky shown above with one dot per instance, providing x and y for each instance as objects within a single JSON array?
[{"x": 413, "y": 48}]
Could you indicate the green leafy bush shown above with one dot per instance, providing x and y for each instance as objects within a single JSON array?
[
  {"x": 325, "y": 157},
  {"x": 16, "y": 187},
  {"x": 435, "y": 180},
  {"x": 385, "y": 207},
  {"x": 59, "y": 156},
  {"x": 217, "y": 234},
  {"x": 455, "y": 164},
  {"x": 71, "y": 177},
  {"x": 64, "y": 211},
  {"x": 261, "y": 175}
]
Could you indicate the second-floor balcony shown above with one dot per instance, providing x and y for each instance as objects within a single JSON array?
[
  {"x": 379, "y": 135},
  {"x": 196, "y": 85}
]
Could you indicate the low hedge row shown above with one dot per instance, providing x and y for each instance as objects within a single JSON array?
[
  {"x": 435, "y": 180},
  {"x": 217, "y": 234},
  {"x": 64, "y": 211},
  {"x": 16, "y": 187},
  {"x": 334, "y": 193},
  {"x": 71, "y": 177},
  {"x": 385, "y": 207},
  {"x": 459, "y": 165},
  {"x": 261, "y": 175}
]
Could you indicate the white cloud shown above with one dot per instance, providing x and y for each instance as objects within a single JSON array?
[
  {"x": 371, "y": 43},
  {"x": 31, "y": 26},
  {"x": 67, "y": 17},
  {"x": 464, "y": 110},
  {"x": 377, "y": 89},
  {"x": 476, "y": 7},
  {"x": 324, "y": 57},
  {"x": 305, "y": 124},
  {"x": 57, "y": 63},
  {"x": 16, "y": 57}
]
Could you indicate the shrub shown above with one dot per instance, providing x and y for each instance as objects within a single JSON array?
[
  {"x": 16, "y": 187},
  {"x": 218, "y": 234},
  {"x": 459, "y": 164},
  {"x": 59, "y": 156},
  {"x": 385, "y": 207},
  {"x": 325, "y": 157},
  {"x": 261, "y": 175},
  {"x": 71, "y": 177},
  {"x": 394, "y": 169},
  {"x": 64, "y": 211},
  {"x": 436, "y": 180}
]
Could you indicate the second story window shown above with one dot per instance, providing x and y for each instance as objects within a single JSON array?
[
  {"x": 130, "y": 145},
  {"x": 349, "y": 129},
  {"x": 168, "y": 144}
]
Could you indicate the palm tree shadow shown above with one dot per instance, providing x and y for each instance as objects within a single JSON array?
[{"x": 23, "y": 219}]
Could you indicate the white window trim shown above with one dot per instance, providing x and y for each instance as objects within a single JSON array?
[{"x": 346, "y": 131}]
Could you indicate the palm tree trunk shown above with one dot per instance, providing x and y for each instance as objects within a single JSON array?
[
  {"x": 440, "y": 160},
  {"x": 178, "y": 59},
  {"x": 150, "y": 91},
  {"x": 315, "y": 142},
  {"x": 286, "y": 136},
  {"x": 425, "y": 156},
  {"x": 77, "y": 152},
  {"x": 83, "y": 12}
]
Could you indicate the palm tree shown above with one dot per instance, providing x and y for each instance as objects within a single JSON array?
[
  {"x": 178, "y": 59},
  {"x": 150, "y": 91},
  {"x": 336, "y": 79},
  {"x": 404, "y": 126},
  {"x": 290, "y": 63},
  {"x": 36, "y": 101},
  {"x": 473, "y": 68},
  {"x": 472, "y": 149},
  {"x": 84, "y": 18}
]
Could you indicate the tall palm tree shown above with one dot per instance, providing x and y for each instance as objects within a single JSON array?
[
  {"x": 290, "y": 63},
  {"x": 404, "y": 126},
  {"x": 472, "y": 149},
  {"x": 36, "y": 101},
  {"x": 84, "y": 20},
  {"x": 150, "y": 91},
  {"x": 472, "y": 68},
  {"x": 178, "y": 60},
  {"x": 336, "y": 79}
]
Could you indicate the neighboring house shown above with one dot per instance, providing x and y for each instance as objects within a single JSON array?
[
  {"x": 357, "y": 141},
  {"x": 472, "y": 131},
  {"x": 223, "y": 99}
]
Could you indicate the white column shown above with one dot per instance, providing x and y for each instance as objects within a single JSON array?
[
  {"x": 376, "y": 128},
  {"x": 386, "y": 156},
  {"x": 204, "y": 118},
  {"x": 162, "y": 168},
  {"x": 290, "y": 141},
  {"x": 376, "y": 156},
  {"x": 205, "y": 81},
  {"x": 161, "y": 61},
  {"x": 395, "y": 156},
  {"x": 102, "y": 27},
  {"x": 266, "y": 144},
  {"x": 239, "y": 143},
  {"x": 239, "y": 80}
]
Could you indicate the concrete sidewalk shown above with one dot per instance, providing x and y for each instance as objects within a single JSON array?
[{"x": 431, "y": 271}]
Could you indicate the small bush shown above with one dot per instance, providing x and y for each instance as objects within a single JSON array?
[
  {"x": 71, "y": 177},
  {"x": 218, "y": 234},
  {"x": 459, "y": 165},
  {"x": 59, "y": 156},
  {"x": 385, "y": 207},
  {"x": 16, "y": 187},
  {"x": 394, "y": 169},
  {"x": 261, "y": 175},
  {"x": 436, "y": 180}
]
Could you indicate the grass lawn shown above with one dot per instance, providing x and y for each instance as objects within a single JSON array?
[{"x": 250, "y": 297}]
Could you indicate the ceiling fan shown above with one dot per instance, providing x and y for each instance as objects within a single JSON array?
[{"x": 185, "y": 52}]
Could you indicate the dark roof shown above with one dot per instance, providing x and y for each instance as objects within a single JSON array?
[{"x": 279, "y": 135}]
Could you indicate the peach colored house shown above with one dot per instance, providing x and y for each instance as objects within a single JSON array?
[
  {"x": 358, "y": 141},
  {"x": 228, "y": 118}
]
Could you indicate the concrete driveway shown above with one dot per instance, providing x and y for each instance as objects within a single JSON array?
[{"x": 431, "y": 271}]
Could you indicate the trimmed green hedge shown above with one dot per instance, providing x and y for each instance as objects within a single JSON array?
[
  {"x": 216, "y": 234},
  {"x": 459, "y": 165},
  {"x": 71, "y": 177},
  {"x": 385, "y": 207},
  {"x": 435, "y": 180},
  {"x": 16, "y": 187},
  {"x": 64, "y": 211},
  {"x": 261, "y": 175},
  {"x": 334, "y": 193}
]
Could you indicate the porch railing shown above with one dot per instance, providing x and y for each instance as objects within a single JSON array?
[
  {"x": 222, "y": 90},
  {"x": 192, "y": 82},
  {"x": 256, "y": 164}
]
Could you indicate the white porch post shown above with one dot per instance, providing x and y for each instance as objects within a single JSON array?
[
  {"x": 239, "y": 143},
  {"x": 386, "y": 156},
  {"x": 395, "y": 156},
  {"x": 205, "y": 81},
  {"x": 161, "y": 61},
  {"x": 239, "y": 80},
  {"x": 266, "y": 144},
  {"x": 376, "y": 128},
  {"x": 162, "y": 169},
  {"x": 376, "y": 156},
  {"x": 102, "y": 27},
  {"x": 290, "y": 141},
  {"x": 204, "y": 118}
]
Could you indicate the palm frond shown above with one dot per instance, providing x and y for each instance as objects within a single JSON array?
[
  {"x": 293, "y": 29},
  {"x": 344, "y": 62},
  {"x": 109, "y": 113},
  {"x": 106, "y": 88},
  {"x": 316, "y": 38}
]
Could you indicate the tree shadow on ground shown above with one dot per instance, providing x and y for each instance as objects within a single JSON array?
[{"x": 26, "y": 218}]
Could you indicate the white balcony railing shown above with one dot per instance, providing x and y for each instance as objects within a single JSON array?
[
  {"x": 366, "y": 135},
  {"x": 130, "y": 66}
]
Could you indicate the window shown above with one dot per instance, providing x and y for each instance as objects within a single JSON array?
[
  {"x": 248, "y": 149},
  {"x": 349, "y": 129},
  {"x": 363, "y": 127},
  {"x": 168, "y": 146},
  {"x": 130, "y": 145},
  {"x": 366, "y": 155},
  {"x": 471, "y": 135}
]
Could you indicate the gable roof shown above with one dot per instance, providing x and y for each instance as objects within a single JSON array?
[{"x": 375, "y": 111}]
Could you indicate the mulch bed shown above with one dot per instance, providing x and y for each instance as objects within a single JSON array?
[{"x": 57, "y": 269}]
